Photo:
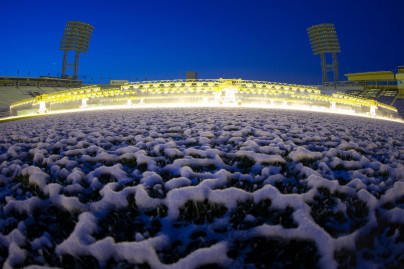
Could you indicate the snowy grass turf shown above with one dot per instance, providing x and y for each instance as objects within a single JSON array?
[{"x": 202, "y": 188}]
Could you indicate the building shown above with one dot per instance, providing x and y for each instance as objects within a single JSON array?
[
  {"x": 191, "y": 75},
  {"x": 118, "y": 82}
]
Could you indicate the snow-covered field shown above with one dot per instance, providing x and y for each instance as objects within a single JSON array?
[{"x": 202, "y": 188}]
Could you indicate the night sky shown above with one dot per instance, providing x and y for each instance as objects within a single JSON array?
[{"x": 258, "y": 40}]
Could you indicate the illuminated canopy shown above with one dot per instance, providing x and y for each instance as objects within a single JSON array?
[{"x": 202, "y": 91}]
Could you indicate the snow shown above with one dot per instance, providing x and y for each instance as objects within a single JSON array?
[
  {"x": 16, "y": 256},
  {"x": 177, "y": 182},
  {"x": 76, "y": 243},
  {"x": 185, "y": 188},
  {"x": 301, "y": 153},
  {"x": 41, "y": 242},
  {"x": 394, "y": 193}
]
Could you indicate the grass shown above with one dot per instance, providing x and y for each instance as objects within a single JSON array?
[
  {"x": 262, "y": 213},
  {"x": 261, "y": 252},
  {"x": 200, "y": 212},
  {"x": 338, "y": 223}
]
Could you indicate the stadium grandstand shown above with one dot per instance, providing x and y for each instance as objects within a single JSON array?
[
  {"x": 382, "y": 86},
  {"x": 362, "y": 91},
  {"x": 14, "y": 89},
  {"x": 201, "y": 91}
]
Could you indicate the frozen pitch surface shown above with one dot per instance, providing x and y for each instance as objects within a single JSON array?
[{"x": 202, "y": 188}]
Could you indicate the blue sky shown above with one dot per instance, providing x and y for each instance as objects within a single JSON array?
[{"x": 259, "y": 40}]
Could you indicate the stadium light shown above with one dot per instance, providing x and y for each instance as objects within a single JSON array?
[
  {"x": 76, "y": 37},
  {"x": 323, "y": 39}
]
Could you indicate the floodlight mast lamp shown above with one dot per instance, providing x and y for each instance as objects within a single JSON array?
[
  {"x": 323, "y": 39},
  {"x": 76, "y": 37}
]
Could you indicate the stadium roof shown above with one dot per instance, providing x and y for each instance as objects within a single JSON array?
[{"x": 372, "y": 76}]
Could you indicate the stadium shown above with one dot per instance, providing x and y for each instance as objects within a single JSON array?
[
  {"x": 201, "y": 173},
  {"x": 203, "y": 92},
  {"x": 372, "y": 94}
]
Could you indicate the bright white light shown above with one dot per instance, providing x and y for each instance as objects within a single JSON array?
[
  {"x": 84, "y": 103},
  {"x": 142, "y": 105},
  {"x": 217, "y": 96},
  {"x": 373, "y": 111},
  {"x": 229, "y": 95},
  {"x": 42, "y": 107}
]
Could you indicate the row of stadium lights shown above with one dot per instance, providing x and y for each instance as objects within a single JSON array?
[{"x": 71, "y": 96}]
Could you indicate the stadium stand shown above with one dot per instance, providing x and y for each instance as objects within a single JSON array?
[
  {"x": 385, "y": 99},
  {"x": 4, "y": 112},
  {"x": 14, "y": 89},
  {"x": 30, "y": 91},
  {"x": 399, "y": 104},
  {"x": 353, "y": 92},
  {"x": 11, "y": 94},
  {"x": 389, "y": 92},
  {"x": 387, "y": 96},
  {"x": 369, "y": 93}
]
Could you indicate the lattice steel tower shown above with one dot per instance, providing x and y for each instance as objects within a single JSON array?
[
  {"x": 324, "y": 40},
  {"x": 76, "y": 37}
]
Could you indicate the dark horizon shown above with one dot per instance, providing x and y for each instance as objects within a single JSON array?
[{"x": 226, "y": 39}]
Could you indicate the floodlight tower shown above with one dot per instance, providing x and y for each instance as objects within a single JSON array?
[
  {"x": 323, "y": 39},
  {"x": 76, "y": 37}
]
